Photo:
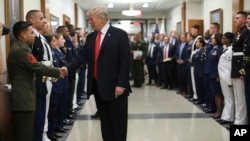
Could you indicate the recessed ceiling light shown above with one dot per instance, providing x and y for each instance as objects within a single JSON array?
[
  {"x": 110, "y": 5},
  {"x": 145, "y": 5}
]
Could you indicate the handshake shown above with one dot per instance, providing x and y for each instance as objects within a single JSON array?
[{"x": 63, "y": 72}]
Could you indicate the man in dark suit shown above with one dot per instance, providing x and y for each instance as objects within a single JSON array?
[
  {"x": 107, "y": 53},
  {"x": 159, "y": 58},
  {"x": 151, "y": 61},
  {"x": 168, "y": 64},
  {"x": 21, "y": 68},
  {"x": 181, "y": 66}
]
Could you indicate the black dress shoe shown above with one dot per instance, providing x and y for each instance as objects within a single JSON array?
[
  {"x": 225, "y": 122},
  {"x": 80, "y": 103},
  {"x": 72, "y": 116},
  {"x": 197, "y": 102},
  {"x": 62, "y": 130},
  {"x": 188, "y": 96},
  {"x": 193, "y": 99},
  {"x": 216, "y": 116},
  {"x": 77, "y": 108},
  {"x": 58, "y": 136},
  {"x": 208, "y": 110},
  {"x": 96, "y": 115},
  {"x": 203, "y": 105},
  {"x": 54, "y": 138},
  {"x": 74, "y": 113},
  {"x": 68, "y": 122}
]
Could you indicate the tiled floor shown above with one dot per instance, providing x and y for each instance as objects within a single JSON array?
[{"x": 154, "y": 115}]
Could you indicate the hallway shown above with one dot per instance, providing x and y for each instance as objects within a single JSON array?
[{"x": 154, "y": 115}]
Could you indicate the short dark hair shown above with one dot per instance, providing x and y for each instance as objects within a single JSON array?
[
  {"x": 30, "y": 14},
  {"x": 201, "y": 40},
  {"x": 20, "y": 27},
  {"x": 217, "y": 25},
  {"x": 196, "y": 27},
  {"x": 243, "y": 13},
  {"x": 60, "y": 29},
  {"x": 229, "y": 35},
  {"x": 190, "y": 34}
]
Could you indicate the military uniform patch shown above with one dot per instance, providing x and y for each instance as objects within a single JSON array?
[{"x": 31, "y": 58}]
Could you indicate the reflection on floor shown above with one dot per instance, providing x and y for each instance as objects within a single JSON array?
[{"x": 154, "y": 115}]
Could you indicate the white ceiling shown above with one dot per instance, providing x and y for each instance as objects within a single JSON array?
[{"x": 119, "y": 5}]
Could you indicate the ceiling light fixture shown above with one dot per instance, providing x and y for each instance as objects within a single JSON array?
[
  {"x": 145, "y": 5},
  {"x": 131, "y": 11},
  {"x": 110, "y": 5}
]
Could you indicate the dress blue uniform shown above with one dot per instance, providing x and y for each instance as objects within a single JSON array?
[
  {"x": 57, "y": 104},
  {"x": 198, "y": 75},
  {"x": 209, "y": 98},
  {"x": 42, "y": 53},
  {"x": 70, "y": 54},
  {"x": 213, "y": 60}
]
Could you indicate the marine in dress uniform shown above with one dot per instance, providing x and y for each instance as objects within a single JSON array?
[
  {"x": 246, "y": 66},
  {"x": 237, "y": 72},
  {"x": 22, "y": 67}
]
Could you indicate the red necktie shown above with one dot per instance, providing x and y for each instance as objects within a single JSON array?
[{"x": 97, "y": 48}]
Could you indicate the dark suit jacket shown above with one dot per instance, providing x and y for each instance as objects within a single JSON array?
[
  {"x": 152, "y": 59},
  {"x": 159, "y": 55},
  {"x": 113, "y": 63},
  {"x": 171, "y": 52},
  {"x": 183, "y": 53}
]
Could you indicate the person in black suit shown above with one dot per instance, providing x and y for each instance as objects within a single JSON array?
[
  {"x": 107, "y": 54},
  {"x": 151, "y": 61},
  {"x": 168, "y": 64},
  {"x": 181, "y": 66}
]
